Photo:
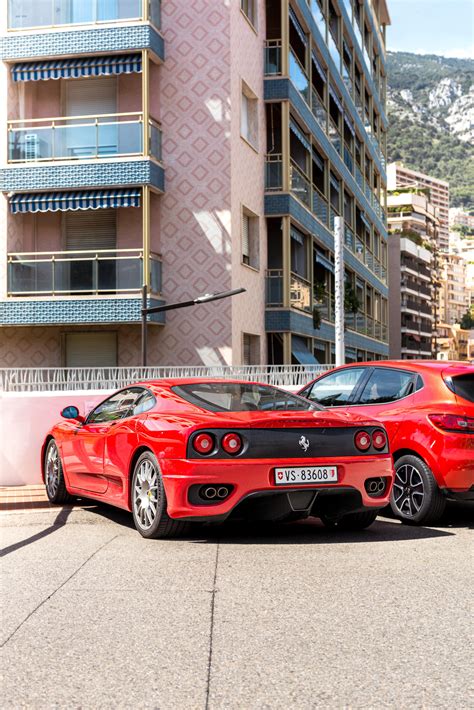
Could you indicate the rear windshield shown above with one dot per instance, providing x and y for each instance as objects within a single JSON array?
[
  {"x": 463, "y": 386},
  {"x": 223, "y": 397}
]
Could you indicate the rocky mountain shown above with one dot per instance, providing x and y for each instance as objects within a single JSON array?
[{"x": 430, "y": 102}]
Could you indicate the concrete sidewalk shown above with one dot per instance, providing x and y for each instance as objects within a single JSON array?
[{"x": 94, "y": 616}]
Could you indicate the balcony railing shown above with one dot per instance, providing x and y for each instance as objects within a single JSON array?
[
  {"x": 272, "y": 57},
  {"x": 300, "y": 293},
  {"x": 27, "y": 14},
  {"x": 273, "y": 171},
  {"x": 81, "y": 138},
  {"x": 300, "y": 184},
  {"x": 80, "y": 272},
  {"x": 319, "y": 110},
  {"x": 299, "y": 77}
]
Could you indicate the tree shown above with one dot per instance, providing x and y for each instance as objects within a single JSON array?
[{"x": 467, "y": 321}]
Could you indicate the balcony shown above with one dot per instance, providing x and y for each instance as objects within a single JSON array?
[
  {"x": 272, "y": 57},
  {"x": 84, "y": 273},
  {"x": 69, "y": 152},
  {"x": 300, "y": 290},
  {"x": 81, "y": 138},
  {"x": 29, "y": 14}
]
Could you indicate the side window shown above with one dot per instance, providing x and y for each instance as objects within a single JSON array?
[
  {"x": 144, "y": 403},
  {"x": 385, "y": 385},
  {"x": 335, "y": 390},
  {"x": 115, "y": 407}
]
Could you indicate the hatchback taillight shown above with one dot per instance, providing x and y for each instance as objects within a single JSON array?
[
  {"x": 453, "y": 422},
  {"x": 362, "y": 440},
  {"x": 379, "y": 439},
  {"x": 203, "y": 443}
]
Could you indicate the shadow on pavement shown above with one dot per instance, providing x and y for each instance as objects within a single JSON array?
[
  {"x": 310, "y": 531},
  {"x": 457, "y": 515},
  {"x": 59, "y": 522}
]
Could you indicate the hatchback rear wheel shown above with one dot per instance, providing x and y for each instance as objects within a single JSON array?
[
  {"x": 416, "y": 498},
  {"x": 149, "y": 506}
]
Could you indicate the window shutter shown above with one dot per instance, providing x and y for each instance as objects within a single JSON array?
[
  {"x": 245, "y": 236},
  {"x": 247, "y": 349},
  {"x": 91, "y": 97},
  {"x": 90, "y": 229},
  {"x": 91, "y": 349}
]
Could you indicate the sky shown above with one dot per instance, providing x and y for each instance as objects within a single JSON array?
[{"x": 432, "y": 27}]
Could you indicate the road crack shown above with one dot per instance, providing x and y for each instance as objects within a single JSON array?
[
  {"x": 211, "y": 629},
  {"x": 57, "y": 590}
]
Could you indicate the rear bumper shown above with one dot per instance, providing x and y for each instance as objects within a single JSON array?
[
  {"x": 453, "y": 494},
  {"x": 252, "y": 481}
]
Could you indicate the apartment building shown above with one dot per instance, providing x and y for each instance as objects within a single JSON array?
[
  {"x": 125, "y": 165},
  {"x": 463, "y": 245},
  {"x": 460, "y": 218},
  {"x": 413, "y": 227},
  {"x": 152, "y": 143},
  {"x": 453, "y": 294},
  {"x": 325, "y": 88},
  {"x": 453, "y": 342},
  {"x": 400, "y": 176}
]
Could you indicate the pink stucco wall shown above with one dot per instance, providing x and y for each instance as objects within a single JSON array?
[
  {"x": 27, "y": 417},
  {"x": 247, "y": 178}
]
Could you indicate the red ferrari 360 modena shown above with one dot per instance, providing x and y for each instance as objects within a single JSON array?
[{"x": 173, "y": 451}]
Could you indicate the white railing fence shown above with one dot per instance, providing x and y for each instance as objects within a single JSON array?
[{"x": 57, "y": 379}]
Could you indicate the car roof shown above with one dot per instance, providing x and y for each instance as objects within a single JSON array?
[{"x": 415, "y": 365}]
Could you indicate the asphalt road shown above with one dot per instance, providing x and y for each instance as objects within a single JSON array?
[{"x": 94, "y": 616}]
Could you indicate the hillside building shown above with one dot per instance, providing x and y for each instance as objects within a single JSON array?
[
  {"x": 413, "y": 232},
  {"x": 400, "y": 176}
]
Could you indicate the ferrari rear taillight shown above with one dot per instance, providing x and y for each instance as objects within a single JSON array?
[
  {"x": 231, "y": 443},
  {"x": 379, "y": 439},
  {"x": 203, "y": 443},
  {"x": 362, "y": 440},
  {"x": 453, "y": 422}
]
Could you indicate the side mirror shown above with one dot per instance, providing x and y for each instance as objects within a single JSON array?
[{"x": 72, "y": 412}]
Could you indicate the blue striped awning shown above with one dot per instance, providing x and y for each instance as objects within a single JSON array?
[
  {"x": 73, "y": 201},
  {"x": 77, "y": 68},
  {"x": 300, "y": 351}
]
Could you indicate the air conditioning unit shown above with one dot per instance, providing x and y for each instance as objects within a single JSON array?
[{"x": 32, "y": 147}]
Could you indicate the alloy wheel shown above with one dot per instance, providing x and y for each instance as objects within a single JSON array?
[
  {"x": 146, "y": 494},
  {"x": 52, "y": 471},
  {"x": 408, "y": 490}
]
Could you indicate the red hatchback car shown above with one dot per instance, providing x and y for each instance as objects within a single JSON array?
[
  {"x": 177, "y": 450},
  {"x": 427, "y": 408}
]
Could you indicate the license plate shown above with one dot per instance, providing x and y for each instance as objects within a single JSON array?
[{"x": 305, "y": 474}]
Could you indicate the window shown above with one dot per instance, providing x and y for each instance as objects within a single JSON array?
[
  {"x": 93, "y": 349},
  {"x": 337, "y": 389},
  {"x": 249, "y": 8},
  {"x": 144, "y": 403},
  {"x": 249, "y": 116},
  {"x": 223, "y": 397},
  {"x": 250, "y": 238},
  {"x": 250, "y": 349},
  {"x": 387, "y": 385},
  {"x": 116, "y": 407}
]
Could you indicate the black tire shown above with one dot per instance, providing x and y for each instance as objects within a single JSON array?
[
  {"x": 351, "y": 521},
  {"x": 161, "y": 525},
  {"x": 416, "y": 498},
  {"x": 54, "y": 476}
]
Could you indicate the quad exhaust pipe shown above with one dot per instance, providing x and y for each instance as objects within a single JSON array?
[{"x": 213, "y": 493}]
